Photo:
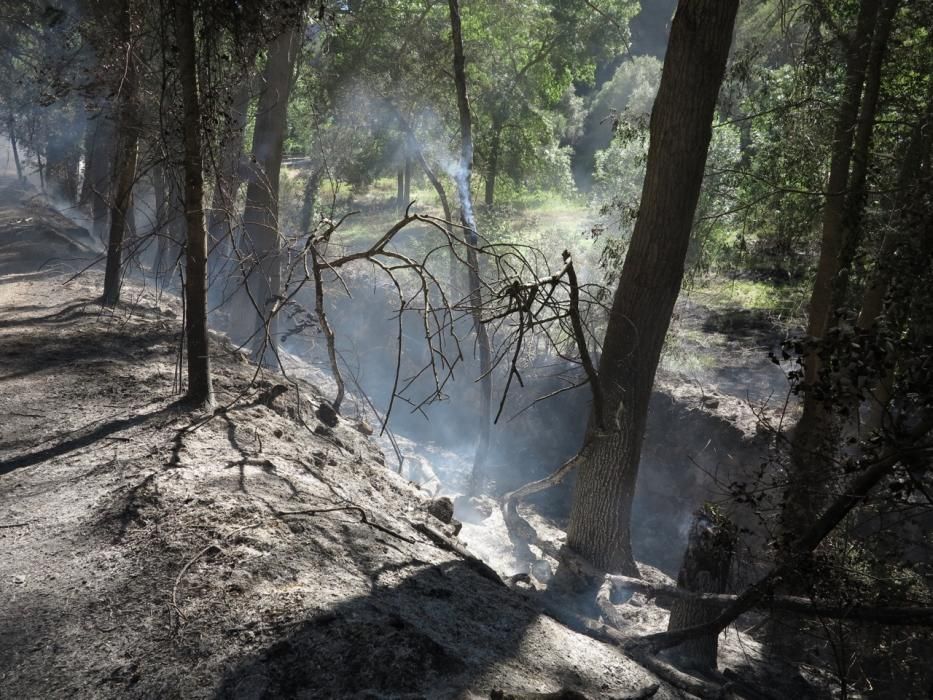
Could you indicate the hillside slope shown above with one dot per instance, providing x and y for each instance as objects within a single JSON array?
[{"x": 256, "y": 553}]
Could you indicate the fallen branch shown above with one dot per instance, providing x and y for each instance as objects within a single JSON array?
[
  {"x": 182, "y": 573},
  {"x": 446, "y": 543},
  {"x": 860, "y": 487},
  {"x": 885, "y": 615},
  {"x": 22, "y": 524}
]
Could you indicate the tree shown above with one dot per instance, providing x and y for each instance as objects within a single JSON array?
[
  {"x": 200, "y": 391},
  {"x": 260, "y": 218},
  {"x": 468, "y": 218},
  {"x": 124, "y": 170},
  {"x": 680, "y": 133}
]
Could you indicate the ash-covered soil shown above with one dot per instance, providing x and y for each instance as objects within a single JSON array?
[{"x": 151, "y": 553}]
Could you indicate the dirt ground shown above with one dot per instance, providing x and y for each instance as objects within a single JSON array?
[
  {"x": 258, "y": 552},
  {"x": 149, "y": 555}
]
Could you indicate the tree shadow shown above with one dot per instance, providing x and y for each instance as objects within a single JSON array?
[
  {"x": 434, "y": 634},
  {"x": 67, "y": 314},
  {"x": 87, "y": 437},
  {"x": 36, "y": 353}
]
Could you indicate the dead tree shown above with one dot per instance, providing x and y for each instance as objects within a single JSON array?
[{"x": 707, "y": 560}]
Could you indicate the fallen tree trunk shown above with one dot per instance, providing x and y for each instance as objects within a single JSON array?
[{"x": 880, "y": 614}]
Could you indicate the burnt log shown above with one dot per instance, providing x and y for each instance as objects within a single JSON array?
[{"x": 705, "y": 569}]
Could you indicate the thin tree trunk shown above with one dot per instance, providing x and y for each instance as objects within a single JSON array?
[
  {"x": 493, "y": 169},
  {"x": 124, "y": 167},
  {"x": 11, "y": 127},
  {"x": 651, "y": 277},
  {"x": 400, "y": 190},
  {"x": 469, "y": 221},
  {"x": 260, "y": 218},
  {"x": 200, "y": 391},
  {"x": 227, "y": 181},
  {"x": 406, "y": 190}
]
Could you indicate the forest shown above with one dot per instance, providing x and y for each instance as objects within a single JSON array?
[{"x": 507, "y": 349}]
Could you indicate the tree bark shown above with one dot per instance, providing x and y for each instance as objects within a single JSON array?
[
  {"x": 124, "y": 169},
  {"x": 816, "y": 434},
  {"x": 680, "y": 132},
  {"x": 260, "y": 218},
  {"x": 705, "y": 569},
  {"x": 463, "y": 178},
  {"x": 200, "y": 391}
]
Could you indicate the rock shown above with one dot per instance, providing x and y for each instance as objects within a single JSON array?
[
  {"x": 363, "y": 427},
  {"x": 710, "y": 402},
  {"x": 327, "y": 415},
  {"x": 442, "y": 508}
]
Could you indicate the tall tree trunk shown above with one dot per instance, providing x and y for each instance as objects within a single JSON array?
[
  {"x": 493, "y": 170},
  {"x": 200, "y": 391},
  {"x": 124, "y": 169},
  {"x": 260, "y": 218},
  {"x": 98, "y": 169},
  {"x": 909, "y": 219},
  {"x": 464, "y": 175},
  {"x": 815, "y": 435},
  {"x": 651, "y": 277},
  {"x": 227, "y": 181}
]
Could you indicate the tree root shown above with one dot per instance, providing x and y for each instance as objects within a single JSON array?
[{"x": 353, "y": 508}]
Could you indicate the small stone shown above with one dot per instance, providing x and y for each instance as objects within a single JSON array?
[
  {"x": 327, "y": 415},
  {"x": 442, "y": 508}
]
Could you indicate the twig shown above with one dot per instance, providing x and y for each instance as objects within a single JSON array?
[
  {"x": 356, "y": 509},
  {"x": 181, "y": 574}
]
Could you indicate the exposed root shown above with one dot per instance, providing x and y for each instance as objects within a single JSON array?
[{"x": 353, "y": 508}]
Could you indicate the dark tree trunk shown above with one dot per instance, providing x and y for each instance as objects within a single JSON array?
[
  {"x": 816, "y": 434},
  {"x": 469, "y": 222},
  {"x": 124, "y": 169},
  {"x": 200, "y": 391},
  {"x": 651, "y": 278},
  {"x": 710, "y": 547},
  {"x": 260, "y": 218}
]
